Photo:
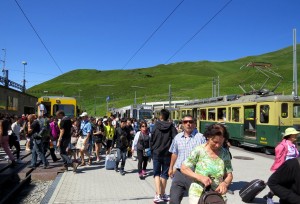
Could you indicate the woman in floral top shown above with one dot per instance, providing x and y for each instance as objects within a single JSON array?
[{"x": 212, "y": 166}]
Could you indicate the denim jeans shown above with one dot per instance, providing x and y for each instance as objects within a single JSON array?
[
  {"x": 121, "y": 154},
  {"x": 63, "y": 151},
  {"x": 38, "y": 149}
]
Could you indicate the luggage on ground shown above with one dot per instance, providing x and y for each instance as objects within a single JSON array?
[
  {"x": 110, "y": 161},
  {"x": 250, "y": 190}
]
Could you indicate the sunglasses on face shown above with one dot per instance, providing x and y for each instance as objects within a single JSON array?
[{"x": 188, "y": 121}]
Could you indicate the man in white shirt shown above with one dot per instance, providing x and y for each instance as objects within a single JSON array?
[
  {"x": 41, "y": 109},
  {"x": 17, "y": 129}
]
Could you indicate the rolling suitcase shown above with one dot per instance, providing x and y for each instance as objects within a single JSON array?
[
  {"x": 249, "y": 191},
  {"x": 110, "y": 161}
]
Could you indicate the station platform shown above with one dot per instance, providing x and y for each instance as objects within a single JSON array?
[{"x": 95, "y": 184}]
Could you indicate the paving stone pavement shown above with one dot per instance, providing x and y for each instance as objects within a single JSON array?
[{"x": 95, "y": 184}]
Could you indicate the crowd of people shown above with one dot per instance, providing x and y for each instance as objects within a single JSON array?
[{"x": 193, "y": 160}]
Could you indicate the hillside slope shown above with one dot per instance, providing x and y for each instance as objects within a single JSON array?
[{"x": 189, "y": 80}]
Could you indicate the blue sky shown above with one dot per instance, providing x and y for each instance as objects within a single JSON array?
[{"x": 104, "y": 34}]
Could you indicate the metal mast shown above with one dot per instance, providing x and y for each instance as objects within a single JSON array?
[{"x": 295, "y": 74}]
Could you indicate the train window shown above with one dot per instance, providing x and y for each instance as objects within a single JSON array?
[
  {"x": 68, "y": 109},
  {"x": 284, "y": 110},
  {"x": 264, "y": 113},
  {"x": 211, "y": 114},
  {"x": 221, "y": 114},
  {"x": 296, "y": 111},
  {"x": 12, "y": 103},
  {"x": 229, "y": 114},
  {"x": 203, "y": 114},
  {"x": 236, "y": 114},
  {"x": 2, "y": 103}
]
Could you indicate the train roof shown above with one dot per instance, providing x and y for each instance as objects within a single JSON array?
[
  {"x": 241, "y": 99},
  {"x": 55, "y": 97}
]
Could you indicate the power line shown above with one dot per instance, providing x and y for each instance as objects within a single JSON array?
[
  {"x": 189, "y": 40},
  {"x": 152, "y": 34},
  {"x": 39, "y": 37}
]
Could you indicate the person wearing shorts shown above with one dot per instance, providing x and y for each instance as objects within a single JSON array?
[
  {"x": 83, "y": 140},
  {"x": 160, "y": 142}
]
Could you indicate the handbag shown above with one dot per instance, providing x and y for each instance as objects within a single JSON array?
[
  {"x": 147, "y": 152},
  {"x": 210, "y": 196}
]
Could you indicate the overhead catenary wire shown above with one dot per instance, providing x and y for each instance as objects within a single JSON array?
[
  {"x": 191, "y": 38},
  {"x": 152, "y": 34},
  {"x": 31, "y": 25}
]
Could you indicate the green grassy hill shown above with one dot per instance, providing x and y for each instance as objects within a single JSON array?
[{"x": 189, "y": 80}]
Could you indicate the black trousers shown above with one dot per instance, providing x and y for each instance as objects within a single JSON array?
[
  {"x": 52, "y": 150},
  {"x": 17, "y": 146},
  {"x": 142, "y": 161},
  {"x": 180, "y": 185}
]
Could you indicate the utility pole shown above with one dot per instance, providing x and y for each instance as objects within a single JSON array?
[
  {"x": 4, "y": 70},
  {"x": 295, "y": 74},
  {"x": 134, "y": 97},
  {"x": 218, "y": 94},
  {"x": 213, "y": 91},
  {"x": 24, "y": 81},
  {"x": 170, "y": 96}
]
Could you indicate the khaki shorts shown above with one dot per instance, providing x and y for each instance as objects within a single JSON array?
[{"x": 80, "y": 142}]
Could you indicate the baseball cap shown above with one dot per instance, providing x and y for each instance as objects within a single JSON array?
[{"x": 83, "y": 114}]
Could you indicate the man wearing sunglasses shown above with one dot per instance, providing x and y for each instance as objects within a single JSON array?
[{"x": 182, "y": 145}]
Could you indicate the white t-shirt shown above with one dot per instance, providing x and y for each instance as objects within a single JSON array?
[
  {"x": 42, "y": 109},
  {"x": 16, "y": 128}
]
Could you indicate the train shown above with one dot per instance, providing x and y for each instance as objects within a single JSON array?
[
  {"x": 255, "y": 120},
  {"x": 55, "y": 103},
  {"x": 137, "y": 111}
]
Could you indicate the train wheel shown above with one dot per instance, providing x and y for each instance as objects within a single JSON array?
[
  {"x": 267, "y": 150},
  {"x": 235, "y": 143}
]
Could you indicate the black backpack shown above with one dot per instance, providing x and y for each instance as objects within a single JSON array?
[{"x": 210, "y": 196}]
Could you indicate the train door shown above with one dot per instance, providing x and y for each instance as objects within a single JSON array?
[
  {"x": 194, "y": 112},
  {"x": 48, "y": 108},
  {"x": 250, "y": 122}
]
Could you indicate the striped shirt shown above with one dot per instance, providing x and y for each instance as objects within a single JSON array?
[{"x": 182, "y": 146}]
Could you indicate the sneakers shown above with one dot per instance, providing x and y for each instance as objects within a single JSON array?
[
  {"x": 141, "y": 175},
  {"x": 116, "y": 169},
  {"x": 122, "y": 172},
  {"x": 270, "y": 201},
  {"x": 144, "y": 173},
  {"x": 165, "y": 197},
  {"x": 157, "y": 199}
]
